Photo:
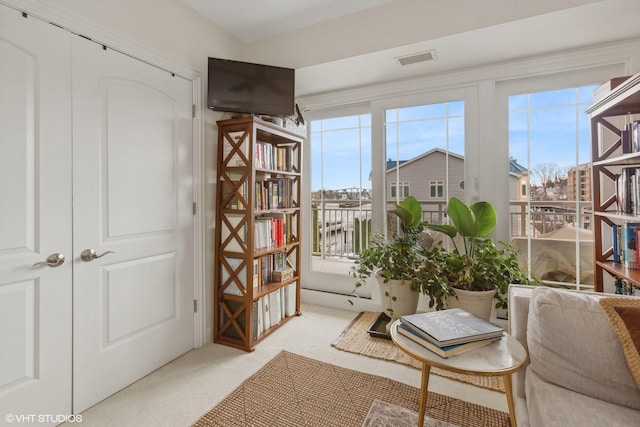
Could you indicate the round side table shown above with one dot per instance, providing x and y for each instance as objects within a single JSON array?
[{"x": 502, "y": 357}]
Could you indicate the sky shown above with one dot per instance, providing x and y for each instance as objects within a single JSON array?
[{"x": 546, "y": 126}]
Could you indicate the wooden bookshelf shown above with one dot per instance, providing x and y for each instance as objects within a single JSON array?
[
  {"x": 257, "y": 230},
  {"x": 610, "y": 115}
]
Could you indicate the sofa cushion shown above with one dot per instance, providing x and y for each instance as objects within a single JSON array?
[
  {"x": 549, "y": 405},
  {"x": 572, "y": 345}
]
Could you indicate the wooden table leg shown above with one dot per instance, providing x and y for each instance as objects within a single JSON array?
[
  {"x": 509, "y": 392},
  {"x": 426, "y": 369}
]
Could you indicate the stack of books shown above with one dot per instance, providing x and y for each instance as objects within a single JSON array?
[{"x": 449, "y": 332}]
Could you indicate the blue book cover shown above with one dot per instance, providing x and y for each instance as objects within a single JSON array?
[{"x": 629, "y": 245}]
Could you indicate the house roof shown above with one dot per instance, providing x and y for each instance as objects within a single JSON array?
[
  {"x": 391, "y": 164},
  {"x": 515, "y": 167}
]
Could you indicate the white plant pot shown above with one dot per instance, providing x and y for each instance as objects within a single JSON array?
[
  {"x": 475, "y": 302},
  {"x": 502, "y": 313},
  {"x": 406, "y": 297}
]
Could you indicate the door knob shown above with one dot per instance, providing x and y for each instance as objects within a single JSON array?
[
  {"x": 90, "y": 254},
  {"x": 53, "y": 260}
]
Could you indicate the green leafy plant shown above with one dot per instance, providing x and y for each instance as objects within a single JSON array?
[
  {"x": 483, "y": 265},
  {"x": 474, "y": 223},
  {"x": 400, "y": 257}
]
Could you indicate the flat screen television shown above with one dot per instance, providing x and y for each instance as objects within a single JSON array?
[{"x": 243, "y": 87}]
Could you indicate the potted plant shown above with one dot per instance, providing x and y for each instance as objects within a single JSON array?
[
  {"x": 482, "y": 269},
  {"x": 394, "y": 263}
]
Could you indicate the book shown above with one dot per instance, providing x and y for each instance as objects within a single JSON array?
[
  {"x": 256, "y": 273},
  {"x": 448, "y": 327},
  {"x": 274, "y": 307},
  {"x": 444, "y": 352},
  {"x": 634, "y": 129},
  {"x": 628, "y": 244},
  {"x": 266, "y": 316},
  {"x": 615, "y": 231},
  {"x": 255, "y": 326},
  {"x": 290, "y": 298},
  {"x": 623, "y": 190}
]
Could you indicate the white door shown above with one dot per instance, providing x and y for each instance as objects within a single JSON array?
[
  {"x": 35, "y": 218},
  {"x": 132, "y": 205}
]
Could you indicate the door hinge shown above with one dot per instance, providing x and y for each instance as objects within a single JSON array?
[
  {"x": 195, "y": 305},
  {"x": 194, "y": 208},
  {"x": 193, "y": 110}
]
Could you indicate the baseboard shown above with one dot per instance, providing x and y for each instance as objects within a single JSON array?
[{"x": 339, "y": 301}]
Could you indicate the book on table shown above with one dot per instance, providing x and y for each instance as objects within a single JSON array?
[
  {"x": 445, "y": 352},
  {"x": 453, "y": 326}
]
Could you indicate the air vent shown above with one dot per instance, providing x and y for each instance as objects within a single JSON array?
[{"x": 417, "y": 57}]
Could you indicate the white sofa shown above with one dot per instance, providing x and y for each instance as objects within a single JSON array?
[{"x": 577, "y": 374}]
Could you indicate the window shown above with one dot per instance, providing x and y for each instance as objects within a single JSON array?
[
  {"x": 425, "y": 148},
  {"x": 436, "y": 189},
  {"x": 378, "y": 137},
  {"x": 549, "y": 139},
  {"x": 400, "y": 189},
  {"x": 340, "y": 186}
]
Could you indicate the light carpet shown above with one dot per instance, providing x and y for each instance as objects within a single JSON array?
[
  {"x": 356, "y": 339},
  {"x": 293, "y": 390}
]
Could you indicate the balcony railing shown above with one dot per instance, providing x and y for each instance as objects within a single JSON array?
[{"x": 343, "y": 228}]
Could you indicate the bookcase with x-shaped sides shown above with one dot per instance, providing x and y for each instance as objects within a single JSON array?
[
  {"x": 257, "y": 233},
  {"x": 615, "y": 180}
]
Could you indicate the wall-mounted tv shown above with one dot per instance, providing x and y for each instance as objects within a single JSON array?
[{"x": 243, "y": 87}]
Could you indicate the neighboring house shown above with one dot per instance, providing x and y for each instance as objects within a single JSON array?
[
  {"x": 518, "y": 192},
  {"x": 424, "y": 177},
  {"x": 518, "y": 181}
]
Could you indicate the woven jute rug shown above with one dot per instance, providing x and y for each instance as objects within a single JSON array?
[
  {"x": 293, "y": 390},
  {"x": 356, "y": 339}
]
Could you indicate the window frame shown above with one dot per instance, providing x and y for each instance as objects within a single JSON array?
[
  {"x": 507, "y": 88},
  {"x": 437, "y": 185},
  {"x": 406, "y": 189}
]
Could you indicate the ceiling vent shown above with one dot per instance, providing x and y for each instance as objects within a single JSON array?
[{"x": 417, "y": 57}]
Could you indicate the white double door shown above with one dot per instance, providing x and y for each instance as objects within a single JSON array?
[{"x": 95, "y": 158}]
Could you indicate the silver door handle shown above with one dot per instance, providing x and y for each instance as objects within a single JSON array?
[
  {"x": 90, "y": 254},
  {"x": 53, "y": 260}
]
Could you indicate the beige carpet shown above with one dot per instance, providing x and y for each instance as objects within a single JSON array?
[
  {"x": 355, "y": 339},
  {"x": 293, "y": 390}
]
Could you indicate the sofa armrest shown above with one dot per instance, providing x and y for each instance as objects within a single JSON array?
[{"x": 519, "y": 296}]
